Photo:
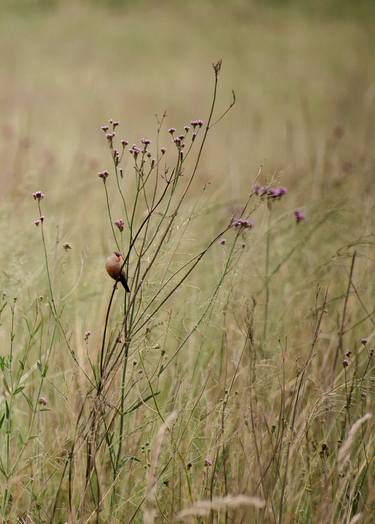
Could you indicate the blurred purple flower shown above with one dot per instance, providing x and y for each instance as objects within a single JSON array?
[
  {"x": 298, "y": 215},
  {"x": 242, "y": 223},
  {"x": 38, "y": 195},
  {"x": 120, "y": 224},
  {"x": 103, "y": 175},
  {"x": 276, "y": 192}
]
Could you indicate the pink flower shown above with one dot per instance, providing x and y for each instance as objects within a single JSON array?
[
  {"x": 38, "y": 195},
  {"x": 298, "y": 215},
  {"x": 120, "y": 224},
  {"x": 103, "y": 175}
]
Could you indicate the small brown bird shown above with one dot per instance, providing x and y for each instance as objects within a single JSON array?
[{"x": 114, "y": 267}]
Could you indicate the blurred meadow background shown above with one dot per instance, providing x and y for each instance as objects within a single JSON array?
[{"x": 239, "y": 393}]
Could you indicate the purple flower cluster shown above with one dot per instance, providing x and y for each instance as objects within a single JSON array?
[
  {"x": 38, "y": 195},
  {"x": 110, "y": 137},
  {"x": 298, "y": 215},
  {"x": 242, "y": 223},
  {"x": 272, "y": 193},
  {"x": 134, "y": 150},
  {"x": 103, "y": 175},
  {"x": 196, "y": 123}
]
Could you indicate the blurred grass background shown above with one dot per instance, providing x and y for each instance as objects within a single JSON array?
[
  {"x": 304, "y": 77},
  {"x": 303, "y": 74}
]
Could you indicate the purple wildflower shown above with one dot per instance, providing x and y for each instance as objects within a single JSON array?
[
  {"x": 110, "y": 137},
  {"x": 134, "y": 150},
  {"x": 38, "y": 195},
  {"x": 196, "y": 123},
  {"x": 222, "y": 241},
  {"x": 298, "y": 215},
  {"x": 276, "y": 192},
  {"x": 171, "y": 130},
  {"x": 242, "y": 223},
  {"x": 103, "y": 175},
  {"x": 207, "y": 462},
  {"x": 120, "y": 224}
]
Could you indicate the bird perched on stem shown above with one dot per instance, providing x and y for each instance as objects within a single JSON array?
[{"x": 114, "y": 266}]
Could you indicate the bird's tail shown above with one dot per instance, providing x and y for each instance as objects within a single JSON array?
[{"x": 124, "y": 283}]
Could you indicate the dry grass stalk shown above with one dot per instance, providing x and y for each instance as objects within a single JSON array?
[
  {"x": 344, "y": 451},
  {"x": 203, "y": 507},
  {"x": 151, "y": 478}
]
